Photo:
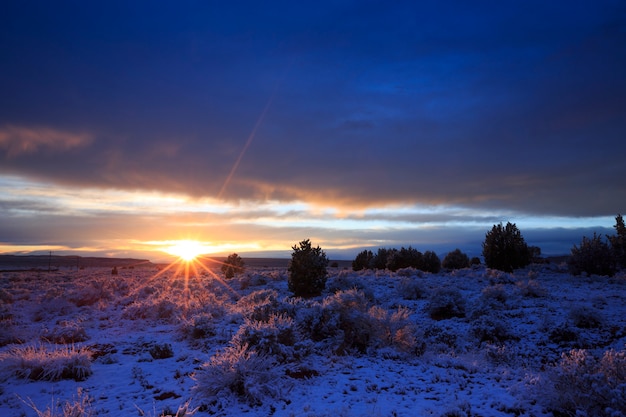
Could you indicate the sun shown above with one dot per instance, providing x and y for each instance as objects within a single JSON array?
[{"x": 187, "y": 250}]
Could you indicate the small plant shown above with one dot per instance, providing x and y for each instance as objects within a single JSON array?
[
  {"x": 80, "y": 406},
  {"x": 504, "y": 248},
  {"x": 593, "y": 256},
  {"x": 455, "y": 260},
  {"x": 307, "y": 270},
  {"x": 411, "y": 288},
  {"x": 232, "y": 265}
]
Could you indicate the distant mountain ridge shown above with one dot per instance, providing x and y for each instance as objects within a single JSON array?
[{"x": 45, "y": 262}]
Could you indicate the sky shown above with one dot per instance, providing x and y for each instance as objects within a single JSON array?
[{"x": 250, "y": 126}]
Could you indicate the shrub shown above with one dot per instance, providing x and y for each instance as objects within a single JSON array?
[
  {"x": 504, "y": 248},
  {"x": 490, "y": 329},
  {"x": 232, "y": 265},
  {"x": 531, "y": 288},
  {"x": 431, "y": 262},
  {"x": 585, "y": 317},
  {"x": 618, "y": 242},
  {"x": 307, "y": 270},
  {"x": 278, "y": 336},
  {"x": 475, "y": 261},
  {"x": 410, "y": 288},
  {"x": 380, "y": 259},
  {"x": 404, "y": 258},
  {"x": 363, "y": 260},
  {"x": 161, "y": 351},
  {"x": 65, "y": 332},
  {"x": 594, "y": 256},
  {"x": 79, "y": 407},
  {"x": 581, "y": 384},
  {"x": 446, "y": 303},
  {"x": 455, "y": 260},
  {"x": 241, "y": 373},
  {"x": 48, "y": 365}
]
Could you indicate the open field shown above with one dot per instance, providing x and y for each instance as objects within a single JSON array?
[{"x": 471, "y": 342}]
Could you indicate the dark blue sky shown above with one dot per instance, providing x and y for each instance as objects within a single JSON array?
[{"x": 500, "y": 110}]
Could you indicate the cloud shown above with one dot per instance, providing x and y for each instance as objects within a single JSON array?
[{"x": 20, "y": 140}]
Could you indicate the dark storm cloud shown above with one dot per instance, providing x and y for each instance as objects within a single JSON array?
[{"x": 515, "y": 106}]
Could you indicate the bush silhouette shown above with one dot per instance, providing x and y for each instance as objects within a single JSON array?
[
  {"x": 618, "y": 242},
  {"x": 455, "y": 260},
  {"x": 363, "y": 260},
  {"x": 232, "y": 265},
  {"x": 593, "y": 256},
  {"x": 504, "y": 248},
  {"x": 431, "y": 262},
  {"x": 307, "y": 270}
]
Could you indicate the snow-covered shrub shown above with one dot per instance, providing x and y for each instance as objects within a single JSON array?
[
  {"x": 564, "y": 336},
  {"x": 39, "y": 363},
  {"x": 446, "y": 303},
  {"x": 531, "y": 289},
  {"x": 258, "y": 305},
  {"x": 277, "y": 336},
  {"x": 455, "y": 260},
  {"x": 345, "y": 318},
  {"x": 411, "y": 288},
  {"x": 394, "y": 330},
  {"x": 232, "y": 265},
  {"x": 491, "y": 329},
  {"x": 199, "y": 326},
  {"x": 238, "y": 372},
  {"x": 52, "y": 308},
  {"x": 504, "y": 248},
  {"x": 66, "y": 331},
  {"x": 440, "y": 339},
  {"x": 494, "y": 294},
  {"x": 594, "y": 256},
  {"x": 307, "y": 270},
  {"x": 161, "y": 351},
  {"x": 154, "y": 308},
  {"x": 86, "y": 294},
  {"x": 581, "y": 384},
  {"x": 585, "y": 317}
]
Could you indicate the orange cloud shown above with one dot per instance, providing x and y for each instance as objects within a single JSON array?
[{"x": 19, "y": 140}]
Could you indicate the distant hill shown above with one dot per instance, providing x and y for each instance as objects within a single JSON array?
[{"x": 45, "y": 262}]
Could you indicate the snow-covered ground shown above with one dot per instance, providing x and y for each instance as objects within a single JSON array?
[{"x": 376, "y": 343}]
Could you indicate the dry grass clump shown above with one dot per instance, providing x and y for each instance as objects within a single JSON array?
[
  {"x": 79, "y": 406},
  {"x": 40, "y": 363}
]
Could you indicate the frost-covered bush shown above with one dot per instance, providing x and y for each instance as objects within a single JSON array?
[
  {"x": 411, "y": 288},
  {"x": 232, "y": 265},
  {"x": 494, "y": 293},
  {"x": 431, "y": 262},
  {"x": 585, "y": 317},
  {"x": 39, "y": 363},
  {"x": 593, "y": 256},
  {"x": 259, "y": 305},
  {"x": 307, "y": 270},
  {"x": 345, "y": 321},
  {"x": 491, "y": 329},
  {"x": 504, "y": 248},
  {"x": 66, "y": 331},
  {"x": 241, "y": 373},
  {"x": 394, "y": 330},
  {"x": 531, "y": 288},
  {"x": 154, "y": 308},
  {"x": 455, "y": 260},
  {"x": 89, "y": 293},
  {"x": 446, "y": 303},
  {"x": 199, "y": 327},
  {"x": 581, "y": 384},
  {"x": 277, "y": 336},
  {"x": 161, "y": 351}
]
